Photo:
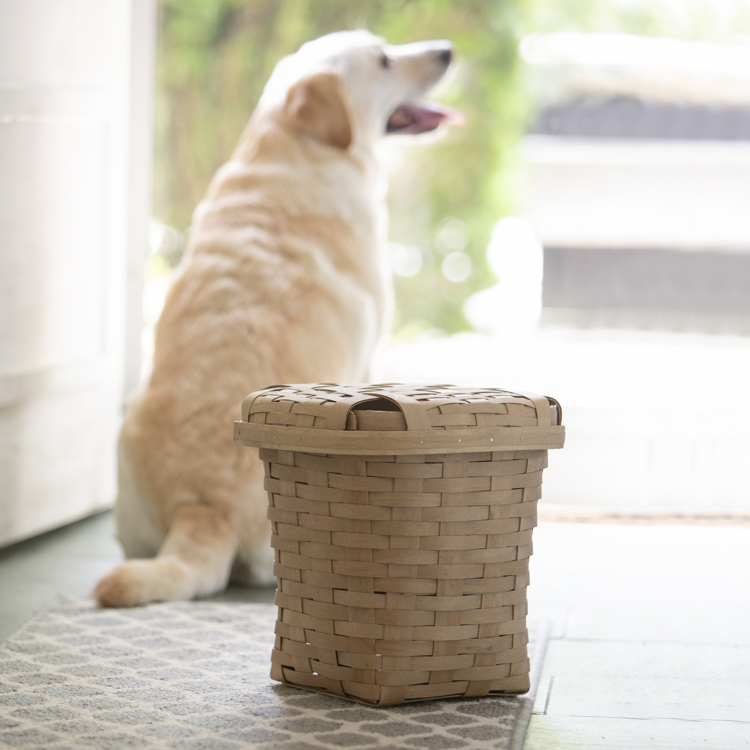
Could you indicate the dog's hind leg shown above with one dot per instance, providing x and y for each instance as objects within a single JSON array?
[{"x": 194, "y": 560}]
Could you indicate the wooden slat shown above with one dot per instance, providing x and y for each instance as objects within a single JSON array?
[{"x": 466, "y": 440}]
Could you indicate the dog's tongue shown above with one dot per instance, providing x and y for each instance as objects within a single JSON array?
[{"x": 421, "y": 118}]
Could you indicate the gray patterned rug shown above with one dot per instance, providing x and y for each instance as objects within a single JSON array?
[{"x": 194, "y": 676}]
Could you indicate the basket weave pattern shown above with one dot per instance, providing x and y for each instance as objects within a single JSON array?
[
  {"x": 431, "y": 407},
  {"x": 402, "y": 577}
]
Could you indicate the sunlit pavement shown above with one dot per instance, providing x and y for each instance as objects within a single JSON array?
[{"x": 655, "y": 421}]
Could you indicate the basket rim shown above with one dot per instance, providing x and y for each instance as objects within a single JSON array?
[{"x": 362, "y": 442}]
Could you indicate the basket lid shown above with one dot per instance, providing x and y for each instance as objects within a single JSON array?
[{"x": 394, "y": 418}]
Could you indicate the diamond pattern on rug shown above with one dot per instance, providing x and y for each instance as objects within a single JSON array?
[{"x": 195, "y": 676}]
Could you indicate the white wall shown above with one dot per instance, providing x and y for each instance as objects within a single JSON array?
[
  {"x": 75, "y": 122},
  {"x": 602, "y": 194}
]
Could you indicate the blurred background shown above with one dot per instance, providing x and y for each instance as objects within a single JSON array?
[{"x": 585, "y": 235}]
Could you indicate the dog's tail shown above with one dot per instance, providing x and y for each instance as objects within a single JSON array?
[{"x": 194, "y": 560}]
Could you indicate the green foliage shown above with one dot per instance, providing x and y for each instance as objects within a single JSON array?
[{"x": 215, "y": 56}]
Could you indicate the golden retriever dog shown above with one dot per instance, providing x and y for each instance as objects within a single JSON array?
[{"x": 284, "y": 281}]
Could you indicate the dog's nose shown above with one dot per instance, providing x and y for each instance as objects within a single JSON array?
[{"x": 446, "y": 56}]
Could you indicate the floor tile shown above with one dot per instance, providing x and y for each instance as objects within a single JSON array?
[
  {"x": 645, "y": 680},
  {"x": 250, "y": 594},
  {"x": 69, "y": 561},
  {"x": 608, "y": 660},
  {"x": 65, "y": 561},
  {"x": 19, "y": 601},
  {"x": 665, "y": 582},
  {"x": 572, "y": 733},
  {"x": 726, "y": 622},
  {"x": 655, "y": 698}
]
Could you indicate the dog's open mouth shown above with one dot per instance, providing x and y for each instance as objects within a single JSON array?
[{"x": 421, "y": 118}]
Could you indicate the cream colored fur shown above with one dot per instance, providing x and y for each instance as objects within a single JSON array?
[{"x": 283, "y": 282}]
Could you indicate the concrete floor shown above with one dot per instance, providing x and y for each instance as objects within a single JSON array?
[{"x": 650, "y": 639}]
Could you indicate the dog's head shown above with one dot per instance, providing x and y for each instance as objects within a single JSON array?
[{"x": 351, "y": 87}]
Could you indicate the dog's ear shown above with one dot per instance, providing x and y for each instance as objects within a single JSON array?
[{"x": 315, "y": 105}]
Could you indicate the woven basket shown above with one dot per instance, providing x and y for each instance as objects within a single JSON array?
[{"x": 402, "y": 520}]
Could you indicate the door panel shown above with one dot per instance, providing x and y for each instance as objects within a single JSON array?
[{"x": 74, "y": 187}]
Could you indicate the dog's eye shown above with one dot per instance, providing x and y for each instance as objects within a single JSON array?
[{"x": 385, "y": 61}]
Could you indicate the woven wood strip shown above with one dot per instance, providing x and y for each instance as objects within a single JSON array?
[
  {"x": 462, "y": 440},
  {"x": 391, "y": 601},
  {"x": 402, "y": 524},
  {"x": 424, "y": 407}
]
